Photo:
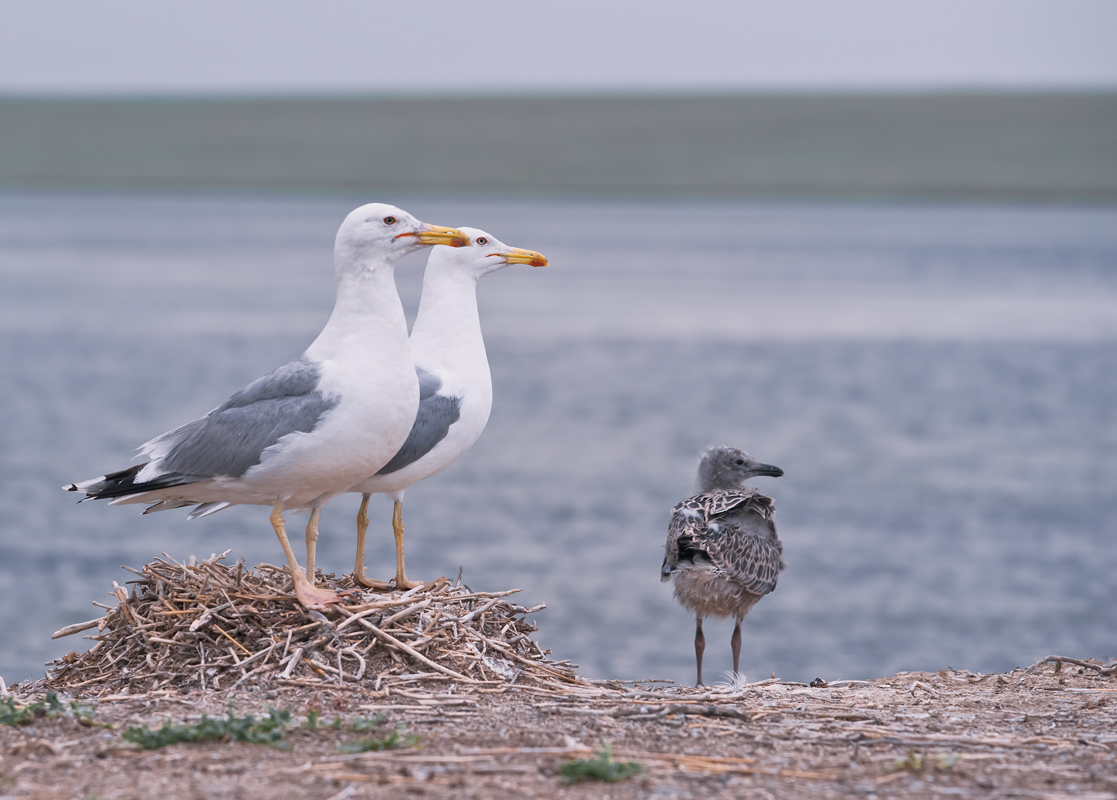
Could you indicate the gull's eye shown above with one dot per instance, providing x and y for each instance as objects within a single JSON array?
[
  {"x": 740, "y": 462},
  {"x": 481, "y": 240},
  {"x": 389, "y": 220}
]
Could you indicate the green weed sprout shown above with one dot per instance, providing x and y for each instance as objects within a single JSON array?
[
  {"x": 916, "y": 762},
  {"x": 602, "y": 768},
  {"x": 11, "y": 714},
  {"x": 395, "y": 741},
  {"x": 367, "y": 724},
  {"x": 267, "y": 731}
]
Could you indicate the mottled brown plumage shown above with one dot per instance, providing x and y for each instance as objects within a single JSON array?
[
  {"x": 729, "y": 534},
  {"x": 722, "y": 549}
]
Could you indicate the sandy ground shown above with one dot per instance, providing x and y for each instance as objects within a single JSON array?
[{"x": 1043, "y": 734}]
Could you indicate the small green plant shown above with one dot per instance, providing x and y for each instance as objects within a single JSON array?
[
  {"x": 394, "y": 741},
  {"x": 85, "y": 714},
  {"x": 367, "y": 724},
  {"x": 602, "y": 768},
  {"x": 916, "y": 762},
  {"x": 11, "y": 714},
  {"x": 267, "y": 731},
  {"x": 913, "y": 763},
  {"x": 311, "y": 720}
]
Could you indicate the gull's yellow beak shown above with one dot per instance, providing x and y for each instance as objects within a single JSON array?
[
  {"x": 436, "y": 234},
  {"x": 515, "y": 255}
]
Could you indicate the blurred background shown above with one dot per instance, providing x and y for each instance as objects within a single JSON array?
[{"x": 874, "y": 243}]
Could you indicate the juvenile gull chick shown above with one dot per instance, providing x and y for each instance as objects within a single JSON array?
[{"x": 722, "y": 549}]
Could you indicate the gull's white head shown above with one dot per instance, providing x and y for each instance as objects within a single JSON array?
[
  {"x": 380, "y": 234},
  {"x": 483, "y": 255}
]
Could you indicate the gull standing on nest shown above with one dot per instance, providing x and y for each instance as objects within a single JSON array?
[
  {"x": 455, "y": 386},
  {"x": 722, "y": 549},
  {"x": 311, "y": 429}
]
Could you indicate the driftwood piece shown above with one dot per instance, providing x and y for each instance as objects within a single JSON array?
[{"x": 1058, "y": 661}]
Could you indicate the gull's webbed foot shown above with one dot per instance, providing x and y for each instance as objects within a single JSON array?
[
  {"x": 413, "y": 584},
  {"x": 310, "y": 595},
  {"x": 370, "y": 583}
]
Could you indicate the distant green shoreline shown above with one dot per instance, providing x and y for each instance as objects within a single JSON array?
[{"x": 1007, "y": 146}]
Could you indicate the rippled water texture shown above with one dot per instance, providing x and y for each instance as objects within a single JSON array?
[{"x": 938, "y": 383}]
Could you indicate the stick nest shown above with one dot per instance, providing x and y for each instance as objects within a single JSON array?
[{"x": 213, "y": 626}]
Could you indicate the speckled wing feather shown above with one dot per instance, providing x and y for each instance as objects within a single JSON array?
[
  {"x": 716, "y": 504},
  {"x": 698, "y": 526},
  {"x": 753, "y": 561},
  {"x": 681, "y": 530},
  {"x": 708, "y": 507}
]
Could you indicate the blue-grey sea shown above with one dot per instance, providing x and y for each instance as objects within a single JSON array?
[{"x": 938, "y": 382}]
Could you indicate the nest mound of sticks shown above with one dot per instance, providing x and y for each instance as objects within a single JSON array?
[{"x": 213, "y": 626}]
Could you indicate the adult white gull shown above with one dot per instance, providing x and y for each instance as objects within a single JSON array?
[
  {"x": 311, "y": 429},
  {"x": 455, "y": 385}
]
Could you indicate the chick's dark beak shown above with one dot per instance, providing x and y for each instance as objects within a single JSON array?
[{"x": 767, "y": 469}]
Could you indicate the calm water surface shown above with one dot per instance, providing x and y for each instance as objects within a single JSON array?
[{"x": 938, "y": 383}]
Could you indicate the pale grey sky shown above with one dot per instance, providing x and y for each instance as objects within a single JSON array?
[{"x": 148, "y": 46}]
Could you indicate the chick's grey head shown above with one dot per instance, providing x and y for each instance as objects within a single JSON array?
[{"x": 729, "y": 468}]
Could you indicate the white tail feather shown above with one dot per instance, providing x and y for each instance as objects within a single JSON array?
[{"x": 205, "y": 509}]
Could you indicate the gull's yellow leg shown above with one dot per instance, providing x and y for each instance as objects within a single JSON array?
[
  {"x": 281, "y": 532},
  {"x": 311, "y": 545},
  {"x": 307, "y": 594},
  {"x": 359, "y": 564},
  {"x": 401, "y": 580}
]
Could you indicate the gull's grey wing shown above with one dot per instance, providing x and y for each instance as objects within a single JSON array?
[
  {"x": 437, "y": 412},
  {"x": 231, "y": 439}
]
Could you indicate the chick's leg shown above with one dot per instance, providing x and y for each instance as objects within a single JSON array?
[
  {"x": 735, "y": 643},
  {"x": 699, "y": 647}
]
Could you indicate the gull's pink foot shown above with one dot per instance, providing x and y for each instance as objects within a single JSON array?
[
  {"x": 369, "y": 583},
  {"x": 412, "y": 584},
  {"x": 310, "y": 595},
  {"x": 404, "y": 584}
]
